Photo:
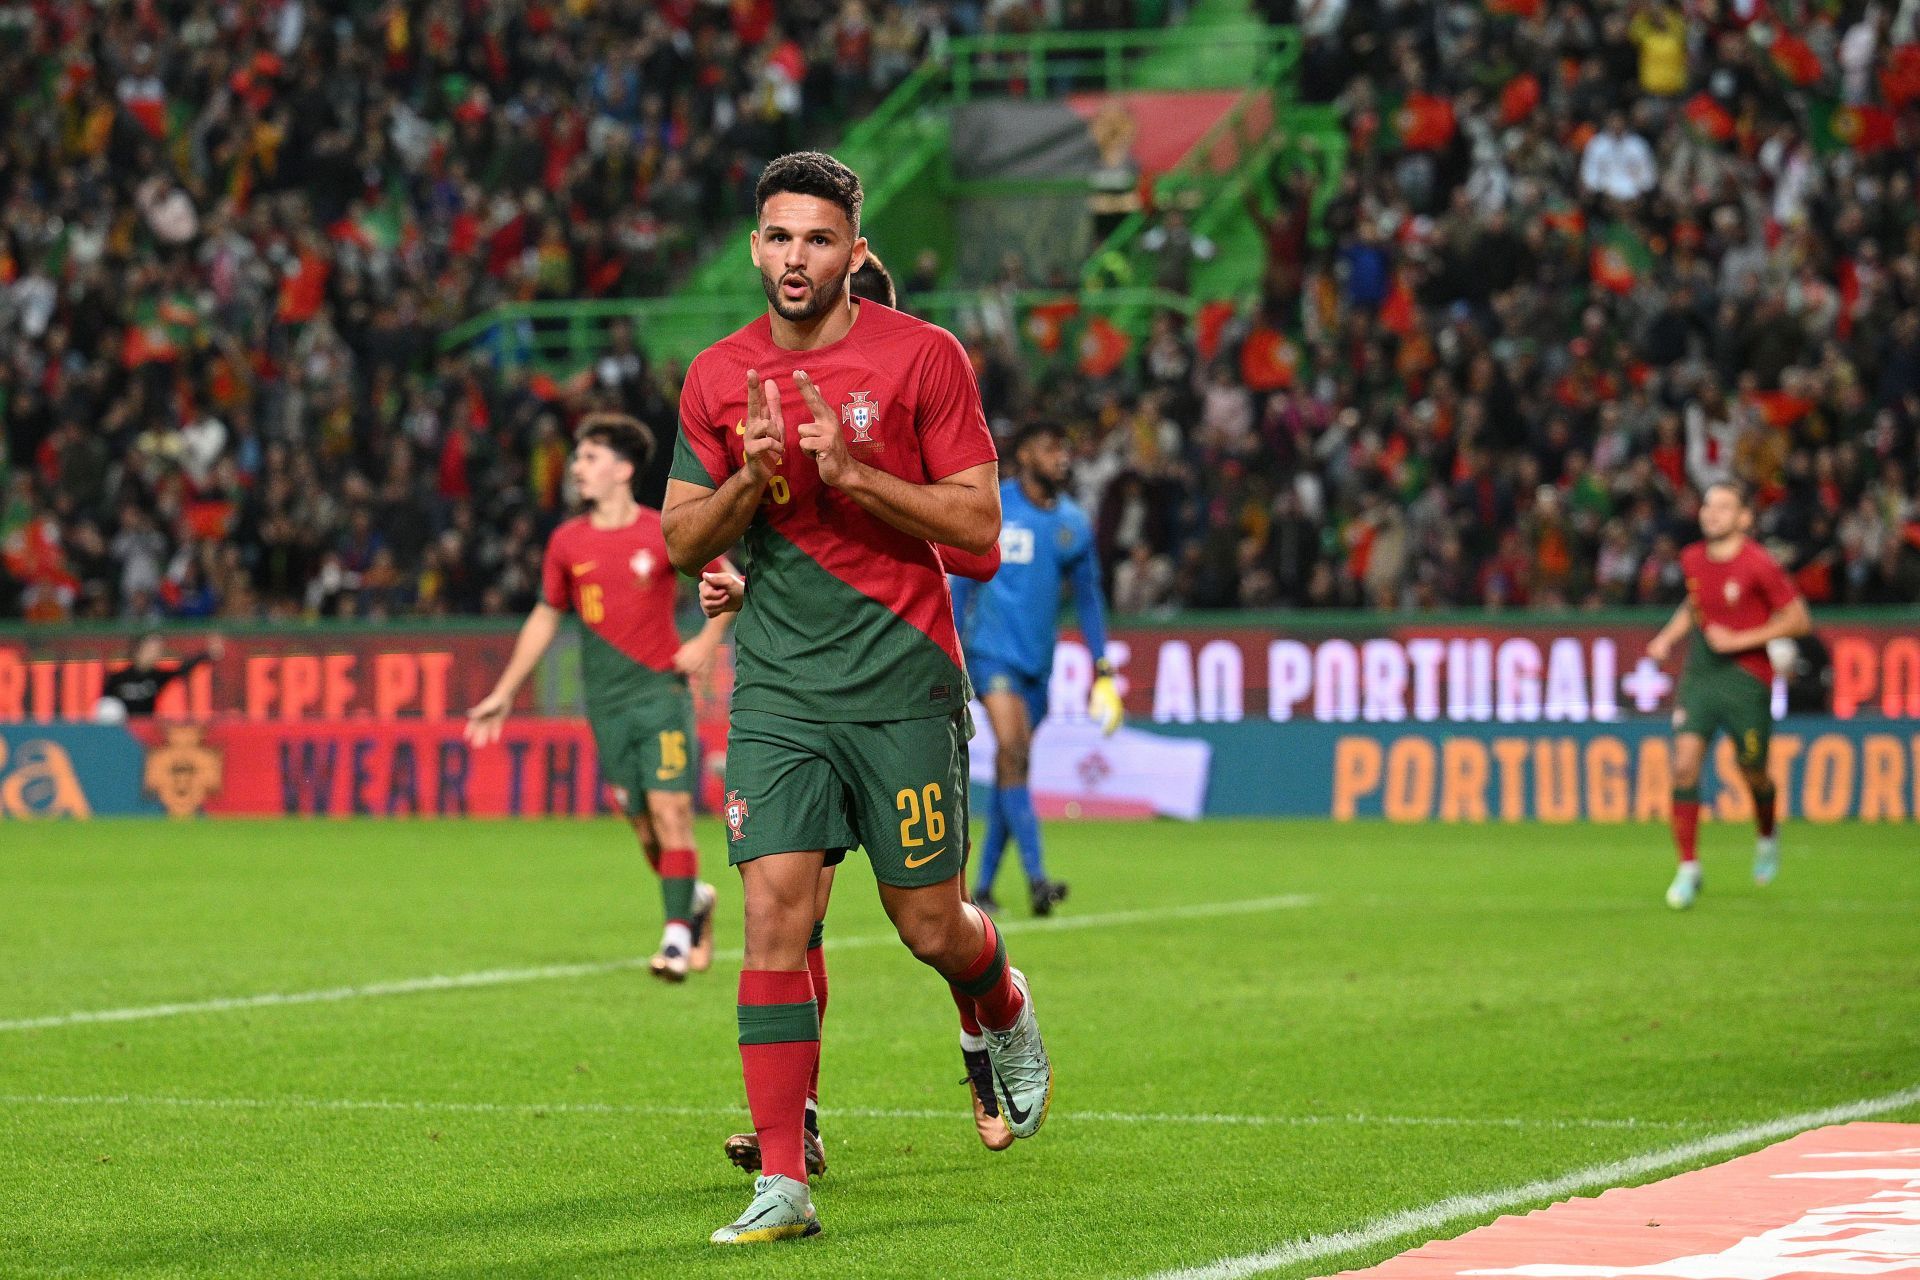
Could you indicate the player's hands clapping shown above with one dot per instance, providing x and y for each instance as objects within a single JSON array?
[
  {"x": 820, "y": 438},
  {"x": 766, "y": 434},
  {"x": 722, "y": 593}
]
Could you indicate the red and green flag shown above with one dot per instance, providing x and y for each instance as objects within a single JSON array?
[
  {"x": 1795, "y": 59},
  {"x": 1866, "y": 129},
  {"x": 1424, "y": 122},
  {"x": 1619, "y": 260},
  {"x": 1103, "y": 348},
  {"x": 1708, "y": 118}
]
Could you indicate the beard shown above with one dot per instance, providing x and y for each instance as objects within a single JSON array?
[{"x": 824, "y": 296}]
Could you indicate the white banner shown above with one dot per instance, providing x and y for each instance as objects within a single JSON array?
[{"x": 1073, "y": 762}]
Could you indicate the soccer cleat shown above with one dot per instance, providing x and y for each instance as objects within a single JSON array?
[
  {"x": 1044, "y": 894},
  {"x": 987, "y": 1120},
  {"x": 1022, "y": 1076},
  {"x": 1766, "y": 860},
  {"x": 1685, "y": 887},
  {"x": 700, "y": 958},
  {"x": 782, "y": 1209},
  {"x": 985, "y": 901},
  {"x": 744, "y": 1150},
  {"x": 669, "y": 964}
]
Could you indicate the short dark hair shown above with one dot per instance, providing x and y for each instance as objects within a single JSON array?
[
  {"x": 1034, "y": 431},
  {"x": 874, "y": 282},
  {"x": 811, "y": 173},
  {"x": 1734, "y": 487},
  {"x": 622, "y": 433}
]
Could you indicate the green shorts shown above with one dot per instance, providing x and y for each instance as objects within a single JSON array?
[
  {"x": 897, "y": 788},
  {"x": 648, "y": 746},
  {"x": 1731, "y": 700}
]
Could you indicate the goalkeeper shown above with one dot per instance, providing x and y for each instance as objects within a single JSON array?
[{"x": 1007, "y": 633}]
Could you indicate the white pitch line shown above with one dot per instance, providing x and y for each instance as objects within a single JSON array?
[
  {"x": 595, "y": 968},
  {"x": 1427, "y": 1219},
  {"x": 864, "y": 1113}
]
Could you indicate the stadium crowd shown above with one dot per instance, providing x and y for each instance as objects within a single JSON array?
[{"x": 1587, "y": 257}]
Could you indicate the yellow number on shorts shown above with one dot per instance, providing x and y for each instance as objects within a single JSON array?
[
  {"x": 909, "y": 802},
  {"x": 673, "y": 754},
  {"x": 936, "y": 820},
  {"x": 593, "y": 604},
  {"x": 778, "y": 489}
]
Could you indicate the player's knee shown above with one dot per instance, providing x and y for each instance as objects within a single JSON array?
[
  {"x": 1686, "y": 773},
  {"x": 1010, "y": 765},
  {"x": 671, "y": 815}
]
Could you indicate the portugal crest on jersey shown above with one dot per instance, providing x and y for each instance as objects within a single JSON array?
[
  {"x": 642, "y": 564},
  {"x": 861, "y": 415},
  {"x": 1733, "y": 591},
  {"x": 736, "y": 811}
]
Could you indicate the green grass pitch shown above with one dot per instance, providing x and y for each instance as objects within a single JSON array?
[{"x": 1262, "y": 1031}]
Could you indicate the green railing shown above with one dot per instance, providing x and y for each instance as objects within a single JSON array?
[
  {"x": 1053, "y": 63},
  {"x": 906, "y": 142},
  {"x": 564, "y": 337}
]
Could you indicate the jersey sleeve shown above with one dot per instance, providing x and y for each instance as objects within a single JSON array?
[
  {"x": 699, "y": 450},
  {"x": 951, "y": 423},
  {"x": 1775, "y": 587},
  {"x": 1088, "y": 607},
  {"x": 965, "y": 564},
  {"x": 553, "y": 577}
]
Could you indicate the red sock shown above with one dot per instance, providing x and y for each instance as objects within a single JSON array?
[
  {"x": 817, "y": 967},
  {"x": 969, "y": 1016},
  {"x": 989, "y": 980},
  {"x": 779, "y": 1045},
  {"x": 1763, "y": 806},
  {"x": 1686, "y": 822}
]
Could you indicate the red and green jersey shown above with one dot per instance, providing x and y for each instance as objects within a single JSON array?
[
  {"x": 846, "y": 618},
  {"x": 1741, "y": 592},
  {"x": 622, "y": 585}
]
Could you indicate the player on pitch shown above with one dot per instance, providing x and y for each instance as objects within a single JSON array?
[
  {"x": 1007, "y": 626},
  {"x": 611, "y": 567},
  {"x": 1738, "y": 601},
  {"x": 842, "y": 442}
]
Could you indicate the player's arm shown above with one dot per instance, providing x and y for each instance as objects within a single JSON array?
[
  {"x": 1789, "y": 620},
  {"x": 1103, "y": 699},
  {"x": 694, "y": 656},
  {"x": 699, "y": 521},
  {"x": 961, "y": 510},
  {"x": 1661, "y": 646},
  {"x": 487, "y": 717}
]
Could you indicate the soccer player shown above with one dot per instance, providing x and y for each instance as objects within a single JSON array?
[
  {"x": 725, "y": 593},
  {"x": 134, "y": 689},
  {"x": 611, "y": 567},
  {"x": 1738, "y": 601},
  {"x": 841, "y": 441},
  {"x": 1007, "y": 629}
]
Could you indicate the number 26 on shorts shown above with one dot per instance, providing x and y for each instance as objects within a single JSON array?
[{"x": 919, "y": 805}]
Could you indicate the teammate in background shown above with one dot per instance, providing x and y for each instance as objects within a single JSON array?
[
  {"x": 1738, "y": 601},
  {"x": 135, "y": 688},
  {"x": 611, "y": 567},
  {"x": 1007, "y": 630},
  {"x": 849, "y": 705},
  {"x": 873, "y": 282}
]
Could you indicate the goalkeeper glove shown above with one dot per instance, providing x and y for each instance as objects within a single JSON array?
[{"x": 1103, "y": 700}]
